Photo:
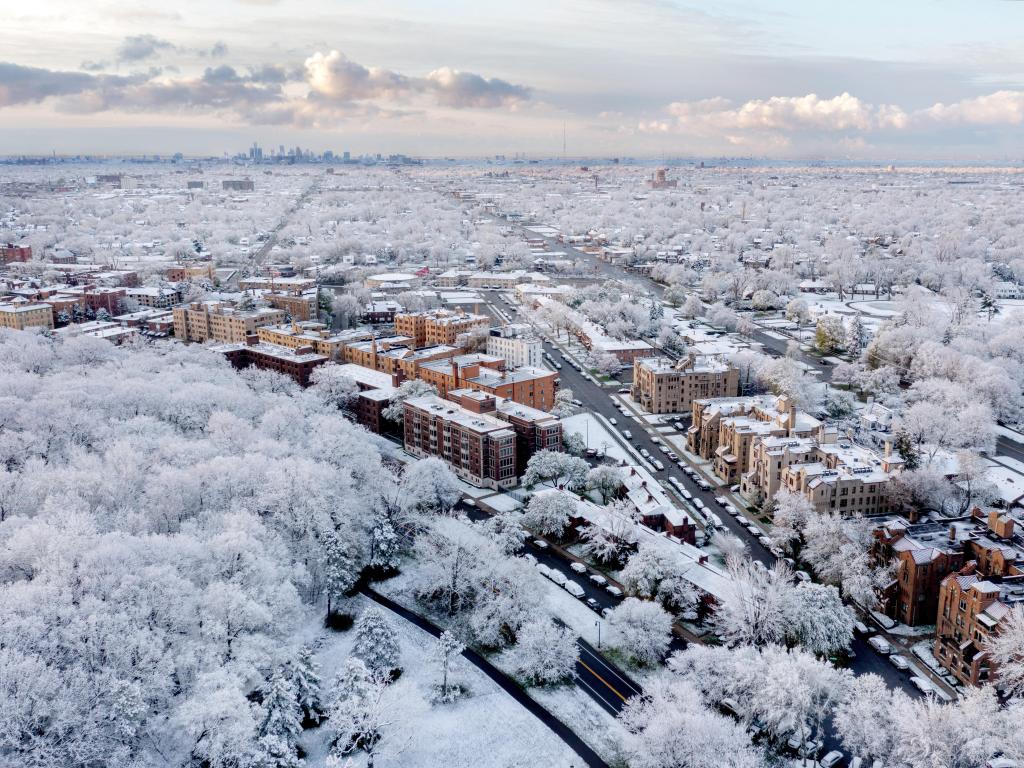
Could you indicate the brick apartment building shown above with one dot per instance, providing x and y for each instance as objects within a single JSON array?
[
  {"x": 212, "y": 320},
  {"x": 179, "y": 273},
  {"x": 300, "y": 306},
  {"x": 10, "y": 253},
  {"x": 478, "y": 447},
  {"x": 971, "y": 609},
  {"x": 661, "y": 385},
  {"x": 298, "y": 363},
  {"x": 381, "y": 311},
  {"x": 394, "y": 354},
  {"x": 535, "y": 430},
  {"x": 926, "y": 553},
  {"x": 535, "y": 387},
  {"x": 438, "y": 326},
  {"x": 309, "y": 334}
]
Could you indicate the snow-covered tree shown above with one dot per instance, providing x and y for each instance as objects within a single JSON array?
[
  {"x": 395, "y": 409},
  {"x": 653, "y": 573},
  {"x": 669, "y": 726},
  {"x": 757, "y": 615},
  {"x": 447, "y": 649},
  {"x": 606, "y": 480},
  {"x": 544, "y": 653},
  {"x": 367, "y": 713},
  {"x": 376, "y": 642},
  {"x": 1006, "y": 650},
  {"x": 280, "y": 721},
  {"x": 863, "y": 718},
  {"x": 556, "y": 468},
  {"x": 643, "y": 630},
  {"x": 819, "y": 621},
  {"x": 616, "y": 536},
  {"x": 429, "y": 486},
  {"x": 563, "y": 405},
  {"x": 305, "y": 676},
  {"x": 505, "y": 529},
  {"x": 333, "y": 385},
  {"x": 548, "y": 513}
]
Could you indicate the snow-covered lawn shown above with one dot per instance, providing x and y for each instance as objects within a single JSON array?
[
  {"x": 486, "y": 728},
  {"x": 594, "y": 725},
  {"x": 501, "y": 502},
  {"x": 596, "y": 434}
]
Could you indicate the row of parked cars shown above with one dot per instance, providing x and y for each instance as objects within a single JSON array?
[{"x": 573, "y": 587}]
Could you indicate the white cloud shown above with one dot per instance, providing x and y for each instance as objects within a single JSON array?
[{"x": 999, "y": 108}]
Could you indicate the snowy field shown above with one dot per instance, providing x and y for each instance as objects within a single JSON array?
[{"x": 486, "y": 729}]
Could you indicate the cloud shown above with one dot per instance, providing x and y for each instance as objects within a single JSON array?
[
  {"x": 787, "y": 114},
  {"x": 335, "y": 77},
  {"x": 26, "y": 85},
  {"x": 141, "y": 47},
  {"x": 219, "y": 50},
  {"x": 93, "y": 66},
  {"x": 999, "y": 108}
]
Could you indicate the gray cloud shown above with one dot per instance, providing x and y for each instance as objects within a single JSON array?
[
  {"x": 219, "y": 50},
  {"x": 26, "y": 85},
  {"x": 141, "y": 47}
]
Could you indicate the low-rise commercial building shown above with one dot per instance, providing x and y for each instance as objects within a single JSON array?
[{"x": 661, "y": 385}]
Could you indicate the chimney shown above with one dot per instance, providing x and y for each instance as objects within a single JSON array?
[
  {"x": 455, "y": 373},
  {"x": 952, "y": 533},
  {"x": 888, "y": 449}
]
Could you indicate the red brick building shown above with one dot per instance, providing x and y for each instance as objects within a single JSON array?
[{"x": 9, "y": 253}]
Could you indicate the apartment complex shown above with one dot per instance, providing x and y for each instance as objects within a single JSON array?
[
  {"x": 535, "y": 430},
  {"x": 517, "y": 344},
  {"x": 26, "y": 315},
  {"x": 479, "y": 448},
  {"x": 9, "y": 253},
  {"x": 926, "y": 553},
  {"x": 309, "y": 334},
  {"x": 438, "y": 326},
  {"x": 155, "y": 298},
  {"x": 453, "y": 373},
  {"x": 300, "y": 306},
  {"x": 212, "y": 320},
  {"x": 297, "y": 363},
  {"x": 535, "y": 387},
  {"x": 971, "y": 609},
  {"x": 661, "y": 385}
]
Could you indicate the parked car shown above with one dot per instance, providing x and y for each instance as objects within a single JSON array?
[
  {"x": 924, "y": 686},
  {"x": 645, "y": 453},
  {"x": 574, "y": 589},
  {"x": 606, "y": 612},
  {"x": 540, "y": 544},
  {"x": 656, "y": 440},
  {"x": 664, "y": 449},
  {"x": 593, "y": 605},
  {"x": 678, "y": 425},
  {"x": 578, "y": 403},
  {"x": 612, "y": 590},
  {"x": 624, "y": 391},
  {"x": 765, "y": 541},
  {"x": 698, "y": 504},
  {"x": 722, "y": 501},
  {"x": 557, "y": 576},
  {"x": 598, "y": 579},
  {"x": 734, "y": 488},
  {"x": 530, "y": 559},
  {"x": 832, "y": 759},
  {"x": 881, "y": 645},
  {"x": 659, "y": 465},
  {"x": 704, "y": 485},
  {"x": 899, "y": 662},
  {"x": 543, "y": 570},
  {"x": 613, "y": 421},
  {"x": 802, "y": 575},
  {"x": 687, "y": 495},
  {"x": 672, "y": 456},
  {"x": 861, "y": 628},
  {"x": 627, "y": 434}
]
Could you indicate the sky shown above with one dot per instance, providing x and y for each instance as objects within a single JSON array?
[{"x": 881, "y": 80}]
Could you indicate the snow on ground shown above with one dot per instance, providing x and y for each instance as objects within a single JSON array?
[
  {"x": 502, "y": 502},
  {"x": 595, "y": 726},
  {"x": 486, "y": 728},
  {"x": 596, "y": 435},
  {"x": 1010, "y": 482}
]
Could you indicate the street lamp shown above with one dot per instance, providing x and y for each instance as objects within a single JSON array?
[{"x": 598, "y": 625}]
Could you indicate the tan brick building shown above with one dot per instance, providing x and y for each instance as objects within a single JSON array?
[
  {"x": 203, "y": 321},
  {"x": 661, "y": 385},
  {"x": 438, "y": 326},
  {"x": 308, "y": 334},
  {"x": 22, "y": 316},
  {"x": 301, "y": 306}
]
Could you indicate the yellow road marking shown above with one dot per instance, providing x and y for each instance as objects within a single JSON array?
[{"x": 610, "y": 687}]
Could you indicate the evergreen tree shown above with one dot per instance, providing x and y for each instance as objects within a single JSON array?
[
  {"x": 280, "y": 723},
  {"x": 306, "y": 679},
  {"x": 341, "y": 567},
  {"x": 906, "y": 448},
  {"x": 275, "y": 752},
  {"x": 855, "y": 338},
  {"x": 376, "y": 643}
]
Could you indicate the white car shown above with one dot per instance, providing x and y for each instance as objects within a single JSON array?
[
  {"x": 832, "y": 759},
  {"x": 612, "y": 421},
  {"x": 540, "y": 544},
  {"x": 645, "y": 453},
  {"x": 579, "y": 567},
  {"x": 574, "y": 589},
  {"x": 598, "y": 579},
  {"x": 899, "y": 662},
  {"x": 659, "y": 465},
  {"x": 627, "y": 434},
  {"x": 722, "y": 501},
  {"x": 664, "y": 449},
  {"x": 881, "y": 645},
  {"x": 612, "y": 590},
  {"x": 687, "y": 495},
  {"x": 924, "y": 686},
  {"x": 698, "y": 504},
  {"x": 861, "y": 628},
  {"x": 557, "y": 576}
]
